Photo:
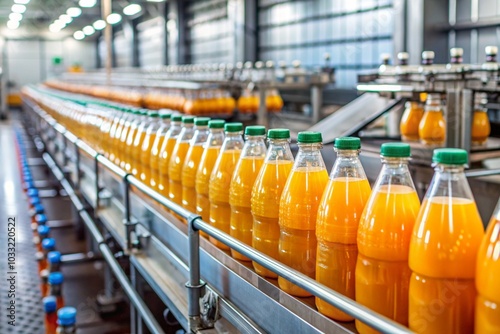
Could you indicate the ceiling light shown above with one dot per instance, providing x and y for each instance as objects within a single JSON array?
[
  {"x": 15, "y": 16},
  {"x": 132, "y": 9},
  {"x": 155, "y": 0},
  {"x": 17, "y": 8},
  {"x": 99, "y": 24},
  {"x": 114, "y": 18},
  {"x": 54, "y": 28},
  {"x": 59, "y": 24},
  {"x": 87, "y": 3},
  {"x": 12, "y": 24},
  {"x": 88, "y": 30},
  {"x": 79, "y": 35},
  {"x": 22, "y": 2},
  {"x": 74, "y": 11},
  {"x": 66, "y": 19}
]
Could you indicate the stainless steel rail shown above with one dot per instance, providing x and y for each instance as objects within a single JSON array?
[{"x": 195, "y": 284}]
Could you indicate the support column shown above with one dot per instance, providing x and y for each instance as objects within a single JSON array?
[
  {"x": 108, "y": 37},
  {"x": 177, "y": 15}
]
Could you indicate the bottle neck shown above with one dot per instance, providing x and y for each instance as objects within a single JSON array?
[
  {"x": 255, "y": 146},
  {"x": 395, "y": 171},
  {"x": 442, "y": 168},
  {"x": 215, "y": 138},
  {"x": 347, "y": 165},
  {"x": 279, "y": 149},
  {"x": 309, "y": 156},
  {"x": 310, "y": 147}
]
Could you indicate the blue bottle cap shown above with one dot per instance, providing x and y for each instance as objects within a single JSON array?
[
  {"x": 34, "y": 201},
  {"x": 27, "y": 175},
  {"x": 48, "y": 244},
  {"x": 41, "y": 219},
  {"x": 43, "y": 231},
  {"x": 54, "y": 257},
  {"x": 28, "y": 184},
  {"x": 56, "y": 278},
  {"x": 49, "y": 304},
  {"x": 39, "y": 209},
  {"x": 28, "y": 178},
  {"x": 66, "y": 316},
  {"x": 32, "y": 192}
]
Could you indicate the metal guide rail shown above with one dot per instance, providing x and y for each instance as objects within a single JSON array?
[{"x": 166, "y": 252}]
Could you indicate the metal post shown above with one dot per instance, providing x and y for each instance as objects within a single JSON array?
[
  {"x": 127, "y": 221},
  {"x": 316, "y": 103},
  {"x": 262, "y": 118},
  {"x": 194, "y": 284},
  {"x": 133, "y": 312},
  {"x": 466, "y": 113},
  {"x": 78, "y": 171},
  {"x": 97, "y": 187},
  {"x": 106, "y": 6}
]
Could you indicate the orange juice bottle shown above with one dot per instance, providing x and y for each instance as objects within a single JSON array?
[
  {"x": 206, "y": 165},
  {"x": 192, "y": 162},
  {"x": 55, "y": 287},
  {"x": 155, "y": 149},
  {"x": 411, "y": 119},
  {"x": 139, "y": 136},
  {"x": 129, "y": 140},
  {"x": 50, "y": 308},
  {"x": 240, "y": 190},
  {"x": 298, "y": 210},
  {"x": 339, "y": 212},
  {"x": 220, "y": 179},
  {"x": 166, "y": 149},
  {"x": 266, "y": 194},
  {"x": 432, "y": 127},
  {"x": 384, "y": 232},
  {"x": 443, "y": 251},
  {"x": 177, "y": 160},
  {"x": 481, "y": 127},
  {"x": 147, "y": 144},
  {"x": 121, "y": 128},
  {"x": 120, "y": 115},
  {"x": 487, "y": 275}
]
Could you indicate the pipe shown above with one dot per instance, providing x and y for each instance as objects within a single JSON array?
[{"x": 482, "y": 172}]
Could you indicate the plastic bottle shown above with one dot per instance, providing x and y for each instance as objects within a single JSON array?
[
  {"x": 298, "y": 210},
  {"x": 443, "y": 251},
  {"x": 43, "y": 233},
  {"x": 119, "y": 133},
  {"x": 44, "y": 282},
  {"x": 119, "y": 118},
  {"x": 220, "y": 179},
  {"x": 54, "y": 260},
  {"x": 432, "y": 127},
  {"x": 48, "y": 245},
  {"x": 155, "y": 150},
  {"x": 410, "y": 121},
  {"x": 240, "y": 189},
  {"x": 177, "y": 160},
  {"x": 339, "y": 212},
  {"x": 55, "y": 287},
  {"x": 129, "y": 139},
  {"x": 481, "y": 127},
  {"x": 50, "y": 308},
  {"x": 66, "y": 320},
  {"x": 192, "y": 162},
  {"x": 144, "y": 167},
  {"x": 382, "y": 271},
  {"x": 487, "y": 319},
  {"x": 210, "y": 153},
  {"x": 266, "y": 194},
  {"x": 139, "y": 136},
  {"x": 166, "y": 149}
]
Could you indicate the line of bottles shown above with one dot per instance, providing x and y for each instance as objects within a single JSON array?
[{"x": 413, "y": 263}]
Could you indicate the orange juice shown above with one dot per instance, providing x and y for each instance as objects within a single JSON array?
[
  {"x": 129, "y": 143},
  {"x": 120, "y": 127},
  {"x": 384, "y": 232},
  {"x": 144, "y": 167},
  {"x": 192, "y": 161},
  {"x": 139, "y": 137},
  {"x": 220, "y": 180},
  {"x": 240, "y": 189},
  {"x": 203, "y": 173},
  {"x": 480, "y": 127},
  {"x": 266, "y": 196},
  {"x": 411, "y": 120},
  {"x": 487, "y": 274},
  {"x": 166, "y": 149},
  {"x": 432, "y": 127},
  {"x": 177, "y": 160},
  {"x": 443, "y": 250},
  {"x": 154, "y": 158}
]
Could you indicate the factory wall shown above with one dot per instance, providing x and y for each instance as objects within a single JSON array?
[{"x": 30, "y": 61}]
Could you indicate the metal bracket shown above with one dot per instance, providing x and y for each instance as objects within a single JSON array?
[{"x": 209, "y": 309}]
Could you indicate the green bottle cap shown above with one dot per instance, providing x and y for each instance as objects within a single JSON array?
[
  {"x": 201, "y": 121},
  {"x": 450, "y": 156},
  {"x": 165, "y": 116},
  {"x": 309, "y": 137},
  {"x": 233, "y": 127},
  {"x": 255, "y": 130},
  {"x": 187, "y": 119},
  {"x": 136, "y": 112},
  {"x": 176, "y": 118},
  {"x": 144, "y": 112},
  {"x": 153, "y": 114},
  {"x": 347, "y": 143},
  {"x": 278, "y": 134},
  {"x": 216, "y": 124},
  {"x": 395, "y": 150}
]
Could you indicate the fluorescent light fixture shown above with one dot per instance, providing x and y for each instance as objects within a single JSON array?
[
  {"x": 99, "y": 24},
  {"x": 132, "y": 9},
  {"x": 79, "y": 35},
  {"x": 54, "y": 28},
  {"x": 155, "y": 0},
  {"x": 87, "y": 3},
  {"x": 15, "y": 16},
  {"x": 59, "y": 24},
  {"x": 22, "y": 2},
  {"x": 12, "y": 25},
  {"x": 114, "y": 18},
  {"x": 88, "y": 30},
  {"x": 66, "y": 19},
  {"x": 74, "y": 11},
  {"x": 17, "y": 8}
]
